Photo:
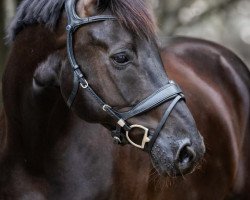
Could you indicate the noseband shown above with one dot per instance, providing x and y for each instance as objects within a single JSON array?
[{"x": 171, "y": 91}]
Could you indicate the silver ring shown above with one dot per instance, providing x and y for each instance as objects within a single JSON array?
[
  {"x": 86, "y": 84},
  {"x": 105, "y": 107}
]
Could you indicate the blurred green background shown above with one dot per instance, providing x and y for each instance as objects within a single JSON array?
[{"x": 224, "y": 21}]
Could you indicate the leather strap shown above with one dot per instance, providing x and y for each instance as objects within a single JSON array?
[
  {"x": 162, "y": 95},
  {"x": 162, "y": 122}
]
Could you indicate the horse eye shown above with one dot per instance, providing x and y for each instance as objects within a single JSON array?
[{"x": 120, "y": 58}]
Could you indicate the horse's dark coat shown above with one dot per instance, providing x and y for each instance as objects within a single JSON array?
[{"x": 47, "y": 152}]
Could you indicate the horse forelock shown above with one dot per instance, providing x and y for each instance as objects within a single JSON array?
[{"x": 135, "y": 15}]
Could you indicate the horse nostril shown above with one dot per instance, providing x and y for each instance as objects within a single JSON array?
[{"x": 186, "y": 155}]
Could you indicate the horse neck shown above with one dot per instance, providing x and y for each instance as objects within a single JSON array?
[{"x": 33, "y": 118}]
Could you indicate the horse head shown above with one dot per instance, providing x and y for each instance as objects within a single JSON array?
[{"x": 113, "y": 75}]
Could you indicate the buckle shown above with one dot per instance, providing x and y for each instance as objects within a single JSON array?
[
  {"x": 145, "y": 137},
  {"x": 105, "y": 107},
  {"x": 85, "y": 85},
  {"x": 117, "y": 140}
]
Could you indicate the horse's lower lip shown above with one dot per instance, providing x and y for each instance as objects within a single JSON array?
[
  {"x": 165, "y": 174},
  {"x": 173, "y": 173},
  {"x": 169, "y": 174},
  {"x": 186, "y": 172}
]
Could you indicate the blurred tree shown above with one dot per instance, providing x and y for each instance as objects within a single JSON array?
[
  {"x": 2, "y": 46},
  {"x": 223, "y": 21},
  {"x": 7, "y": 10}
]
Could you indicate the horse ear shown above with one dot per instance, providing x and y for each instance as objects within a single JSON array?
[{"x": 87, "y": 7}]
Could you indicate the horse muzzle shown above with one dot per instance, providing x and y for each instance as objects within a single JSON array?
[{"x": 177, "y": 157}]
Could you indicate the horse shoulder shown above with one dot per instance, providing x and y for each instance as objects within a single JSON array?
[
  {"x": 194, "y": 61},
  {"x": 217, "y": 86}
]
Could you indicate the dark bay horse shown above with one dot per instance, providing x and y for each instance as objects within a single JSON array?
[{"x": 51, "y": 151}]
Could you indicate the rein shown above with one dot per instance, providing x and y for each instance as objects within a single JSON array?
[{"x": 171, "y": 91}]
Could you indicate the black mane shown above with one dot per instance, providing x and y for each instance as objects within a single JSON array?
[
  {"x": 35, "y": 12},
  {"x": 133, "y": 14}
]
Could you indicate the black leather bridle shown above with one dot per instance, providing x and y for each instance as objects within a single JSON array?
[{"x": 171, "y": 91}]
